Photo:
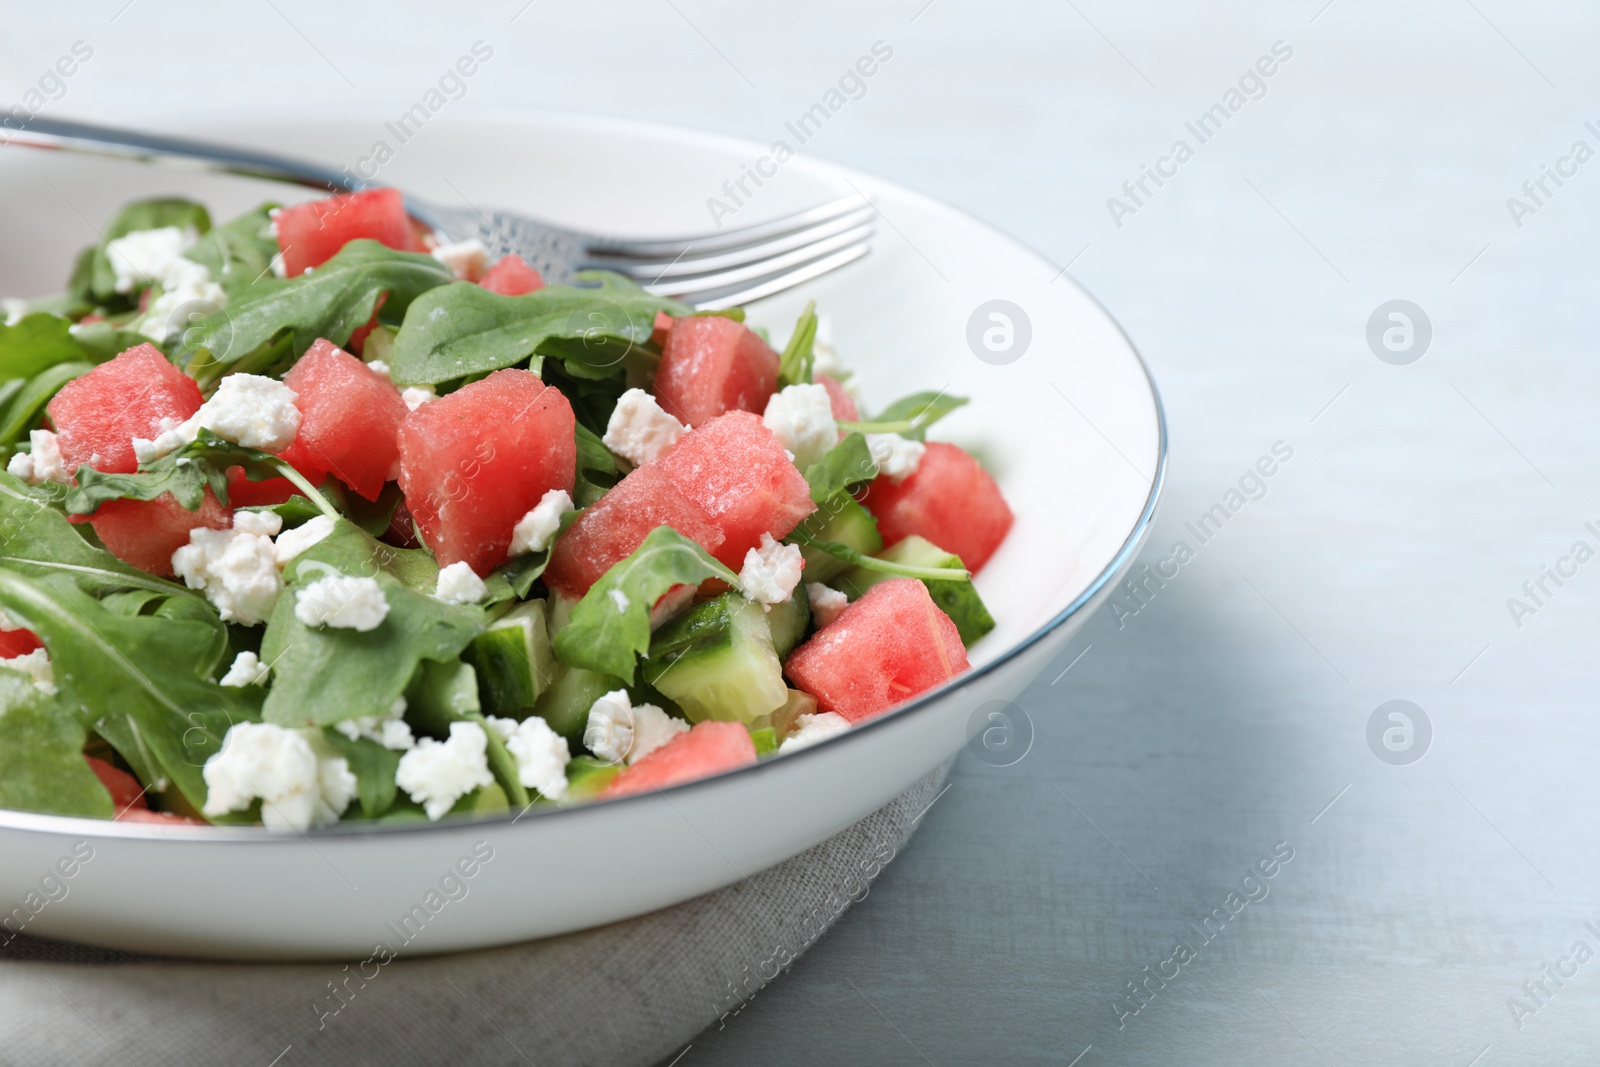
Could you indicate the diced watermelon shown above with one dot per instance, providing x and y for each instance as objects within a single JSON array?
[
  {"x": 243, "y": 493},
  {"x": 709, "y": 748},
  {"x": 474, "y": 462},
  {"x": 125, "y": 790},
  {"x": 739, "y": 475},
  {"x": 312, "y": 233},
  {"x": 511, "y": 276},
  {"x": 843, "y": 404},
  {"x": 401, "y": 533},
  {"x": 710, "y": 365},
  {"x": 97, "y": 416},
  {"x": 660, "y": 329},
  {"x": 18, "y": 642},
  {"x": 145, "y": 533},
  {"x": 609, "y": 531},
  {"x": 882, "y": 650},
  {"x": 349, "y": 420},
  {"x": 949, "y": 499}
]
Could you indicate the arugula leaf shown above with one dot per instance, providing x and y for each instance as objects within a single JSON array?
[
  {"x": 873, "y": 563},
  {"x": 610, "y": 626},
  {"x": 239, "y": 252},
  {"x": 103, "y": 340},
  {"x": 142, "y": 681},
  {"x": 41, "y": 755},
  {"x": 332, "y": 301},
  {"x": 139, "y": 215},
  {"x": 186, "y": 473},
  {"x": 597, "y": 469},
  {"x": 794, "y": 365},
  {"x": 464, "y": 329},
  {"x": 592, "y": 399},
  {"x": 374, "y": 767},
  {"x": 911, "y": 416},
  {"x": 24, "y": 407},
  {"x": 323, "y": 675},
  {"x": 844, "y": 465},
  {"x": 35, "y": 343}
]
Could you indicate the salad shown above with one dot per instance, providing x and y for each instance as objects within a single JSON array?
[{"x": 308, "y": 517}]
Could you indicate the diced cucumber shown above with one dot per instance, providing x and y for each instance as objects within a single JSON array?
[
  {"x": 513, "y": 660},
  {"x": 565, "y": 703},
  {"x": 852, "y": 526},
  {"x": 379, "y": 344},
  {"x": 959, "y": 600},
  {"x": 489, "y": 800},
  {"x": 716, "y": 660},
  {"x": 765, "y": 739},
  {"x": 796, "y": 705},
  {"x": 445, "y": 693},
  {"x": 788, "y": 621},
  {"x": 587, "y": 776}
]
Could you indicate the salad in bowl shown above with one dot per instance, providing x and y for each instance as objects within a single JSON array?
[{"x": 308, "y": 518}]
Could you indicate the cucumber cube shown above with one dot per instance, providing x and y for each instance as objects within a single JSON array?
[{"x": 959, "y": 600}]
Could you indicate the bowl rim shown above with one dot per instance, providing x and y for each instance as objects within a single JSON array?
[{"x": 79, "y": 826}]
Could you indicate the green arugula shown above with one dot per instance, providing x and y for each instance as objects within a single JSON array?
[
  {"x": 186, "y": 473},
  {"x": 35, "y": 343},
  {"x": 845, "y": 464},
  {"x": 99, "y": 283},
  {"x": 374, "y": 767},
  {"x": 592, "y": 399},
  {"x": 872, "y": 563},
  {"x": 239, "y": 252},
  {"x": 799, "y": 355},
  {"x": 610, "y": 626},
  {"x": 20, "y": 414},
  {"x": 41, "y": 755},
  {"x": 464, "y": 329},
  {"x": 910, "y": 416},
  {"x": 597, "y": 470}
]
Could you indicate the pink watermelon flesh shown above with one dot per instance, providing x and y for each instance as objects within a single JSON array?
[
  {"x": 740, "y": 476},
  {"x": 97, "y": 416},
  {"x": 843, "y": 404},
  {"x": 709, "y": 748},
  {"x": 349, "y": 420},
  {"x": 618, "y": 523},
  {"x": 145, "y": 533},
  {"x": 18, "y": 642},
  {"x": 243, "y": 493},
  {"x": 882, "y": 650},
  {"x": 949, "y": 499},
  {"x": 710, "y": 365},
  {"x": 312, "y": 233},
  {"x": 474, "y": 462},
  {"x": 511, "y": 276}
]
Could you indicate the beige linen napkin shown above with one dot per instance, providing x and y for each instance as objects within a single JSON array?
[{"x": 634, "y": 992}]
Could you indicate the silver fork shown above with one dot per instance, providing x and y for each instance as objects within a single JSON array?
[{"x": 713, "y": 270}]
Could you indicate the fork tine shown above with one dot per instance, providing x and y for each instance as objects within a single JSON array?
[
  {"x": 724, "y": 279},
  {"x": 716, "y": 301},
  {"x": 686, "y": 264},
  {"x": 668, "y": 248}
]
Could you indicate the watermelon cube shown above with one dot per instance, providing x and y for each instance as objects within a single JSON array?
[
  {"x": 740, "y": 476},
  {"x": 312, "y": 233},
  {"x": 97, "y": 416},
  {"x": 349, "y": 420},
  {"x": 882, "y": 650},
  {"x": 709, "y": 748},
  {"x": 18, "y": 642},
  {"x": 243, "y": 493},
  {"x": 949, "y": 499},
  {"x": 145, "y": 533},
  {"x": 710, "y": 365},
  {"x": 843, "y": 404},
  {"x": 610, "y": 530},
  {"x": 125, "y": 790},
  {"x": 474, "y": 462},
  {"x": 511, "y": 276},
  {"x": 660, "y": 328}
]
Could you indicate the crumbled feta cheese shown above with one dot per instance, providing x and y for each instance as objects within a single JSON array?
[
  {"x": 13, "y": 310},
  {"x": 246, "y": 669},
  {"x": 618, "y": 732},
  {"x": 389, "y": 729},
  {"x": 620, "y": 600},
  {"x": 44, "y": 464},
  {"x": 36, "y": 665},
  {"x": 237, "y": 568},
  {"x": 436, "y": 774},
  {"x": 896, "y": 456},
  {"x": 379, "y": 367},
  {"x": 145, "y": 256},
  {"x": 770, "y": 572},
  {"x": 540, "y": 752},
  {"x": 186, "y": 282},
  {"x": 418, "y": 395},
  {"x": 280, "y": 269},
  {"x": 809, "y": 729},
  {"x": 252, "y": 410},
  {"x": 639, "y": 430},
  {"x": 801, "y": 418},
  {"x": 171, "y": 436},
  {"x": 291, "y": 543},
  {"x": 343, "y": 602},
  {"x": 826, "y": 603},
  {"x": 301, "y": 782},
  {"x": 466, "y": 259},
  {"x": 460, "y": 584},
  {"x": 535, "y": 530},
  {"x": 20, "y": 467}
]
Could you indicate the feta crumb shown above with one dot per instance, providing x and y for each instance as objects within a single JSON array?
[
  {"x": 770, "y": 572},
  {"x": 171, "y": 435},
  {"x": 618, "y": 732},
  {"x": 145, "y": 256},
  {"x": 379, "y": 367},
  {"x": 46, "y": 462},
  {"x": 20, "y": 467},
  {"x": 389, "y": 729},
  {"x": 36, "y": 665},
  {"x": 291, "y": 543},
  {"x": 466, "y": 259},
  {"x": 185, "y": 282},
  {"x": 13, "y": 310},
  {"x": 535, "y": 530},
  {"x": 342, "y": 602},
  {"x": 896, "y": 456},
  {"x": 639, "y": 430},
  {"x": 540, "y": 752},
  {"x": 418, "y": 395},
  {"x": 247, "y": 669},
  {"x": 436, "y": 774},
  {"x": 809, "y": 729},
  {"x": 460, "y": 584},
  {"x": 252, "y": 410},
  {"x": 279, "y": 268},
  {"x": 237, "y": 568},
  {"x": 300, "y": 781},
  {"x": 826, "y": 602},
  {"x": 620, "y": 600},
  {"x": 801, "y": 418}
]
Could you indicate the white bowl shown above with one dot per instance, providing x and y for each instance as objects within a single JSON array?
[{"x": 1072, "y": 429}]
